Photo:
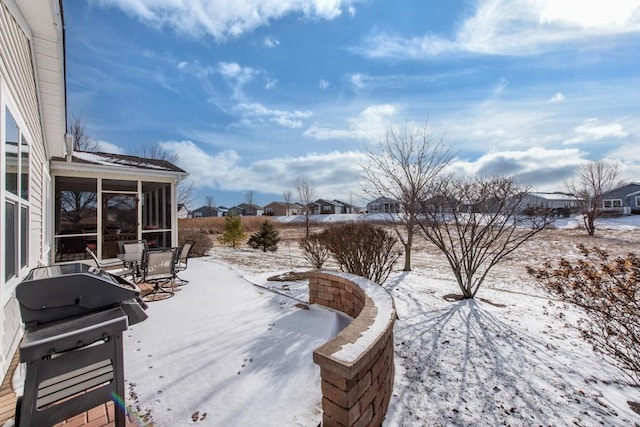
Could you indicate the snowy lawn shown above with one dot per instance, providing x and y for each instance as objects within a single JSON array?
[{"x": 503, "y": 359}]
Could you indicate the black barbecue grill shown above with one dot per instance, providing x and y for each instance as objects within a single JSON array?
[{"x": 74, "y": 316}]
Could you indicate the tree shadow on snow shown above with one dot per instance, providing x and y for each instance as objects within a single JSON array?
[{"x": 462, "y": 365}]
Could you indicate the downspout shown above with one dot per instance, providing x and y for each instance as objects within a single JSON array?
[{"x": 68, "y": 139}]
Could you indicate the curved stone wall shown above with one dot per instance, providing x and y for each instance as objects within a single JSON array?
[{"x": 356, "y": 366}]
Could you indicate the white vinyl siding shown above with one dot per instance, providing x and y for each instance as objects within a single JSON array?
[{"x": 18, "y": 94}]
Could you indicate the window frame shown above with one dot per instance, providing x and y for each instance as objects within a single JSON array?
[
  {"x": 21, "y": 202},
  {"x": 613, "y": 203}
]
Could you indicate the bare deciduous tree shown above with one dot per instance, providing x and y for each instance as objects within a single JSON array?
[
  {"x": 156, "y": 152},
  {"x": 249, "y": 198},
  {"x": 306, "y": 194},
  {"x": 210, "y": 204},
  {"x": 593, "y": 180},
  {"x": 81, "y": 140},
  {"x": 185, "y": 191},
  {"x": 288, "y": 197},
  {"x": 407, "y": 162},
  {"x": 607, "y": 290},
  {"x": 476, "y": 223}
]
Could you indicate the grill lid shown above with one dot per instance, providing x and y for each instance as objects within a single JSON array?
[{"x": 58, "y": 292}]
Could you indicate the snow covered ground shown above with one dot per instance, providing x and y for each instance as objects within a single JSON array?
[
  {"x": 503, "y": 359},
  {"x": 222, "y": 352}
]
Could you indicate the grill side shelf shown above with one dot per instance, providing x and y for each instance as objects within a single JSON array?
[{"x": 72, "y": 334}]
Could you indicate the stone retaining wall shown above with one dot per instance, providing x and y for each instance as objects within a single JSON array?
[{"x": 356, "y": 366}]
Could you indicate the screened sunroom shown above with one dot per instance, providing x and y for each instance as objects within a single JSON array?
[{"x": 101, "y": 198}]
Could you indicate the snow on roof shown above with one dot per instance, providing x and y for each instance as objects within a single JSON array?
[
  {"x": 555, "y": 196},
  {"x": 109, "y": 159},
  {"x": 330, "y": 202}
]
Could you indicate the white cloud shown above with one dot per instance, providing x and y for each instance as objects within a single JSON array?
[
  {"x": 324, "y": 85},
  {"x": 222, "y": 19},
  {"x": 270, "y": 84},
  {"x": 501, "y": 85},
  {"x": 196, "y": 68},
  {"x": 204, "y": 169},
  {"x": 593, "y": 130},
  {"x": 358, "y": 80},
  {"x": 594, "y": 14},
  {"x": 629, "y": 157},
  {"x": 333, "y": 174},
  {"x": 516, "y": 27},
  {"x": 369, "y": 125},
  {"x": 498, "y": 125},
  {"x": 107, "y": 147},
  {"x": 257, "y": 114},
  {"x": 270, "y": 41},
  {"x": 237, "y": 75},
  {"x": 556, "y": 98},
  {"x": 232, "y": 70},
  {"x": 627, "y": 153},
  {"x": 542, "y": 169}
]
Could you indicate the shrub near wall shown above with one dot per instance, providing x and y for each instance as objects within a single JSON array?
[{"x": 357, "y": 366}]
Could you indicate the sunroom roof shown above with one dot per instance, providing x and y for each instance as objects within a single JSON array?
[{"x": 110, "y": 159}]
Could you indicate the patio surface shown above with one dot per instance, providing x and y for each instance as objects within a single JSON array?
[{"x": 222, "y": 352}]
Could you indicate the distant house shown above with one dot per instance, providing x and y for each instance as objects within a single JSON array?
[
  {"x": 347, "y": 208},
  {"x": 326, "y": 207},
  {"x": 383, "y": 205},
  {"x": 208, "y": 211},
  {"x": 555, "y": 200},
  {"x": 236, "y": 210},
  {"x": 624, "y": 199},
  {"x": 183, "y": 212},
  {"x": 283, "y": 209},
  {"x": 245, "y": 209}
]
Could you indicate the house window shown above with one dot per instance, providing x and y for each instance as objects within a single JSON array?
[
  {"x": 326, "y": 208},
  {"x": 16, "y": 197},
  {"x": 612, "y": 203}
]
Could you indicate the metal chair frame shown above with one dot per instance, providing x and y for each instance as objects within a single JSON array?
[
  {"x": 158, "y": 268},
  {"x": 182, "y": 257},
  {"x": 124, "y": 271},
  {"x": 133, "y": 246}
]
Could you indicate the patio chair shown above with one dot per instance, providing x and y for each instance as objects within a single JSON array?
[
  {"x": 158, "y": 268},
  {"x": 182, "y": 257},
  {"x": 106, "y": 265},
  {"x": 133, "y": 247},
  {"x": 126, "y": 246}
]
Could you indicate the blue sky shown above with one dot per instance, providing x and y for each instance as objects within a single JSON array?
[{"x": 254, "y": 94}]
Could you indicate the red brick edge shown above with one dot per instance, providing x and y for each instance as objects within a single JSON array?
[{"x": 357, "y": 366}]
